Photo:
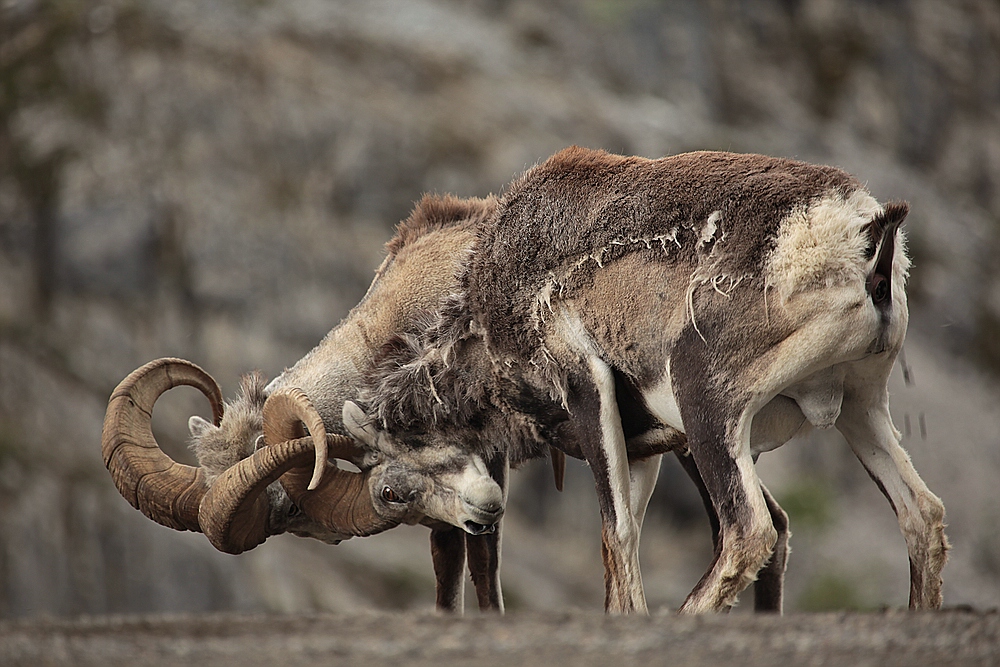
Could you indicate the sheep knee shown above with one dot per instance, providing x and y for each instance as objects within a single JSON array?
[{"x": 756, "y": 547}]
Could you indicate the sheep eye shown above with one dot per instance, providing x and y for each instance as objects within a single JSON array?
[
  {"x": 880, "y": 288},
  {"x": 293, "y": 511},
  {"x": 390, "y": 496}
]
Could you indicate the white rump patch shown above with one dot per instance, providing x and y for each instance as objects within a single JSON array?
[{"x": 822, "y": 244}]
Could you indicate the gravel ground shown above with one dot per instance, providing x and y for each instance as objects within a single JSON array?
[{"x": 955, "y": 637}]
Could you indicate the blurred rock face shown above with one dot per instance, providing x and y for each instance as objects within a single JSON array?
[{"x": 215, "y": 181}]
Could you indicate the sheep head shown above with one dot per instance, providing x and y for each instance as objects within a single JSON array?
[
  {"x": 437, "y": 484},
  {"x": 423, "y": 428}
]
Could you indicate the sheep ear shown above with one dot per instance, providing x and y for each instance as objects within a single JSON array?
[
  {"x": 359, "y": 425},
  {"x": 198, "y": 426}
]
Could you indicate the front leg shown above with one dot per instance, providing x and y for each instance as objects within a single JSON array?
[
  {"x": 484, "y": 550},
  {"x": 598, "y": 429},
  {"x": 448, "y": 556},
  {"x": 484, "y": 564}
]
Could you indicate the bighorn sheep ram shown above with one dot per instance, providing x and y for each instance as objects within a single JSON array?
[
  {"x": 614, "y": 302},
  {"x": 233, "y": 496}
]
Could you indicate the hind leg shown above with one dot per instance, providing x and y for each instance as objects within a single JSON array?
[
  {"x": 747, "y": 534},
  {"x": 868, "y": 428},
  {"x": 770, "y": 584},
  {"x": 643, "y": 475},
  {"x": 769, "y": 589}
]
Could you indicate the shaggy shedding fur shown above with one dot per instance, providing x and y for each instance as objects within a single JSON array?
[
  {"x": 220, "y": 447},
  {"x": 736, "y": 219},
  {"x": 439, "y": 380},
  {"x": 413, "y": 381},
  {"x": 722, "y": 206}
]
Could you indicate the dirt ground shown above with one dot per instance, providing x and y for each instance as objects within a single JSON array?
[{"x": 955, "y": 637}]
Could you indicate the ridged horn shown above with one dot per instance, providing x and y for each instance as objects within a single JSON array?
[
  {"x": 342, "y": 501},
  {"x": 285, "y": 411},
  {"x": 167, "y": 492},
  {"x": 235, "y": 512}
]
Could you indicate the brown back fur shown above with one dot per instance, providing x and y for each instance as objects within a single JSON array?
[{"x": 582, "y": 208}]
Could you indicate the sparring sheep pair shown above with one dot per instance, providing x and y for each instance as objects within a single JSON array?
[{"x": 615, "y": 308}]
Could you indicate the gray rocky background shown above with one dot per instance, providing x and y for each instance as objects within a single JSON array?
[{"x": 215, "y": 180}]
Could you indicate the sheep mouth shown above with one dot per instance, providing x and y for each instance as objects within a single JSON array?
[{"x": 479, "y": 528}]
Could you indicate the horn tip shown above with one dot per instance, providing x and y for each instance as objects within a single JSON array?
[{"x": 316, "y": 479}]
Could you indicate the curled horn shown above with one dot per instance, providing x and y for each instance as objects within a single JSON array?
[
  {"x": 285, "y": 411},
  {"x": 342, "y": 501},
  {"x": 235, "y": 512},
  {"x": 167, "y": 492}
]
